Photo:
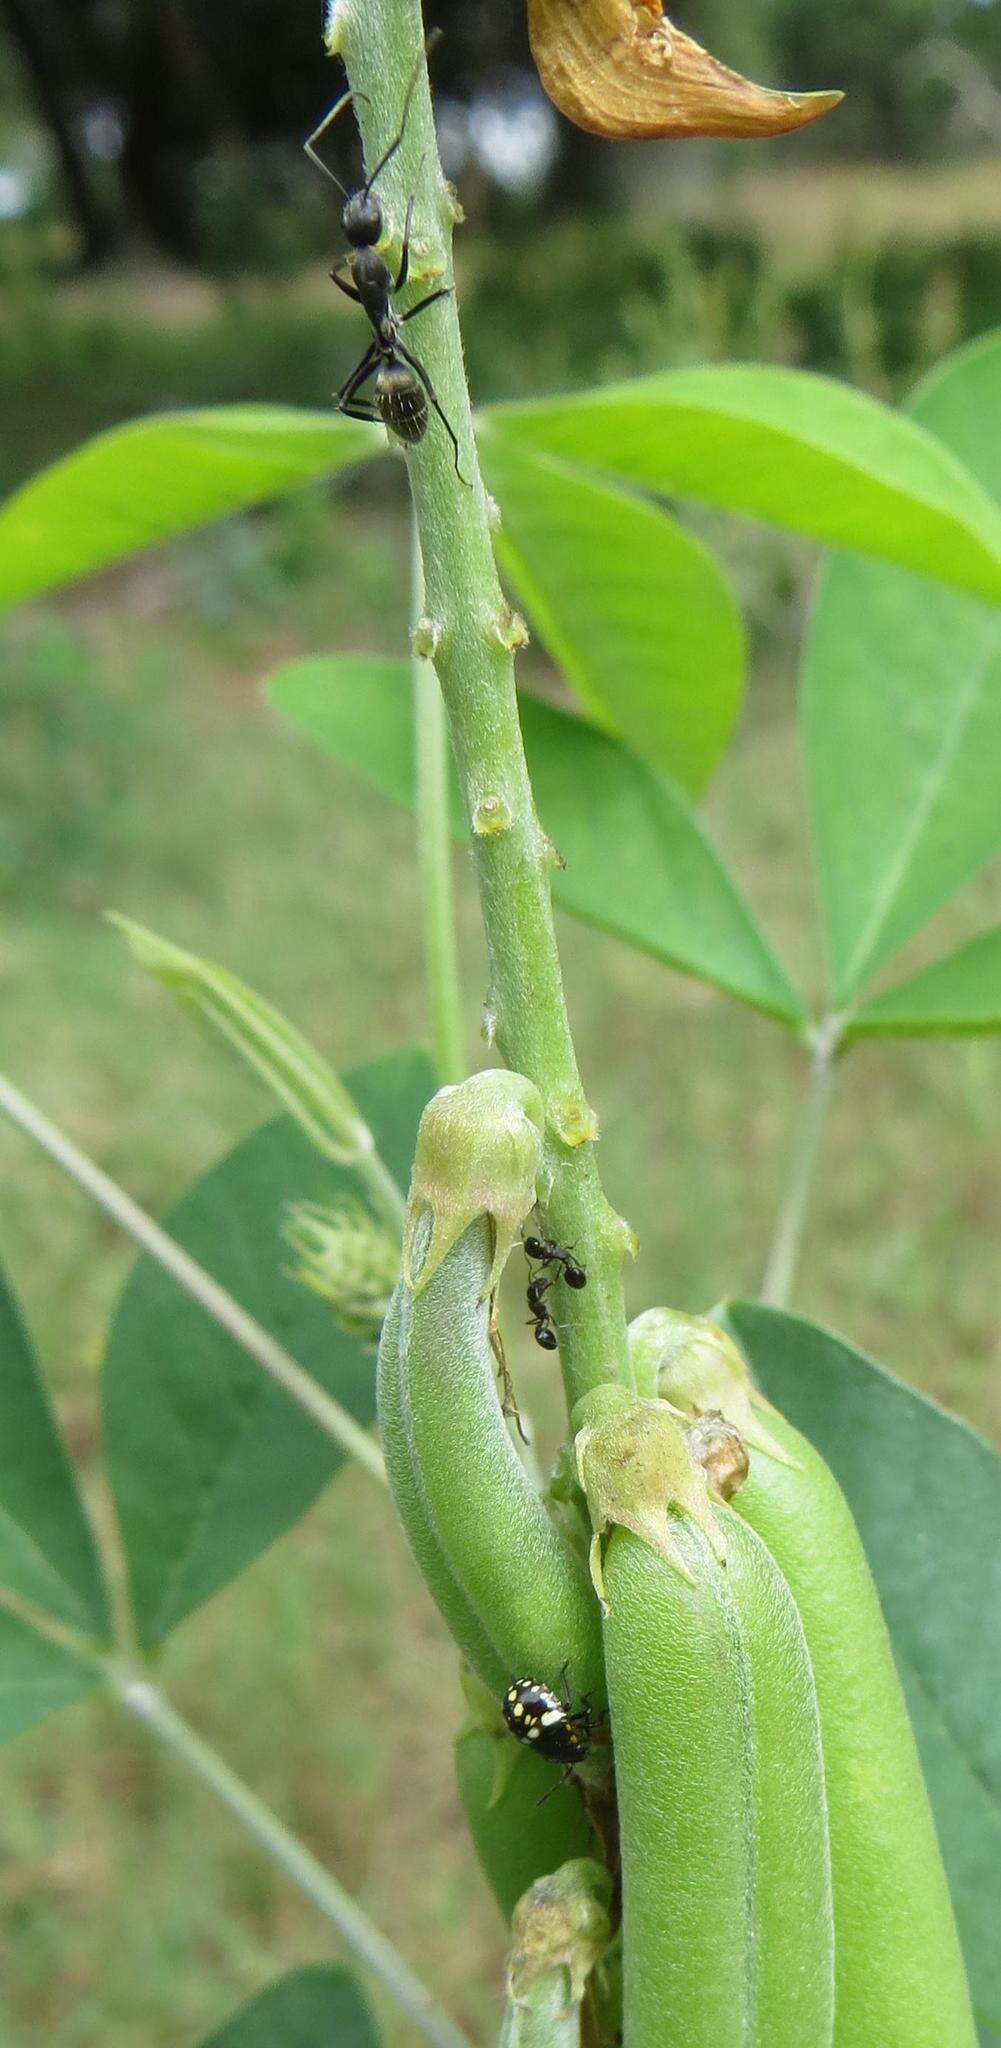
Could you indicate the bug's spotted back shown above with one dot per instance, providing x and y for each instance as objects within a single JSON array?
[{"x": 538, "y": 1717}]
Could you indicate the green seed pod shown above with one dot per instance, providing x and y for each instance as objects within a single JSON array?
[
  {"x": 727, "y": 1916},
  {"x": 444, "y": 1588},
  {"x": 516, "y": 1839},
  {"x": 519, "y": 1575},
  {"x": 900, "y": 1976}
]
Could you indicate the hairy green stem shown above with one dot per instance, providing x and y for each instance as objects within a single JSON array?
[
  {"x": 316, "y": 1884},
  {"x": 474, "y": 638},
  {"x": 252, "y": 1338},
  {"x": 434, "y": 848},
  {"x": 780, "y": 1269}
]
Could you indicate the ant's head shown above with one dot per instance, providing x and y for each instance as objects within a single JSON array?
[{"x": 362, "y": 220}]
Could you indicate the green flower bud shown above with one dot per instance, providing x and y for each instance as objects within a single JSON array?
[
  {"x": 272, "y": 1047},
  {"x": 561, "y": 1923},
  {"x": 479, "y": 1153},
  {"x": 346, "y": 1258},
  {"x": 695, "y": 1365},
  {"x": 638, "y": 1473}
]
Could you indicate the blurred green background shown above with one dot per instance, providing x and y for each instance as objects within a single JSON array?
[{"x": 161, "y": 244}]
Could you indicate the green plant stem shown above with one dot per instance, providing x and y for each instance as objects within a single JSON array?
[
  {"x": 434, "y": 850},
  {"x": 316, "y": 1884},
  {"x": 320, "y": 1406},
  {"x": 780, "y": 1268},
  {"x": 474, "y": 637},
  {"x": 135, "y": 1692}
]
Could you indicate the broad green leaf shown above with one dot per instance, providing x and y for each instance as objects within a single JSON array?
[
  {"x": 155, "y": 478},
  {"x": 926, "y": 1493},
  {"x": 902, "y": 724},
  {"x": 47, "y": 1550},
  {"x": 784, "y": 446},
  {"x": 634, "y": 611},
  {"x": 958, "y": 401},
  {"x": 902, "y": 721},
  {"x": 37, "y": 1677},
  {"x": 956, "y": 996},
  {"x": 313, "y": 2007},
  {"x": 637, "y": 863},
  {"x": 209, "y": 1460}
]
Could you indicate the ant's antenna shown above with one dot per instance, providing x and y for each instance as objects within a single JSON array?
[{"x": 430, "y": 43}]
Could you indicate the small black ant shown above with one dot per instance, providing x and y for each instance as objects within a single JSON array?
[
  {"x": 402, "y": 385},
  {"x": 550, "y": 1254},
  {"x": 544, "y": 1327}
]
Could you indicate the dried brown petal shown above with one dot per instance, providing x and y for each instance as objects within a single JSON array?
[{"x": 620, "y": 67}]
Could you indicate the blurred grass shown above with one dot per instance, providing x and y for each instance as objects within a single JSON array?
[{"x": 141, "y": 770}]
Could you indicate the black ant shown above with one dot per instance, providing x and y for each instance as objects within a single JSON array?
[
  {"x": 544, "y": 1327},
  {"x": 402, "y": 385},
  {"x": 550, "y": 1254}
]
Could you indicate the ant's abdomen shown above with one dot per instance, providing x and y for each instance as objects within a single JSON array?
[{"x": 401, "y": 401}]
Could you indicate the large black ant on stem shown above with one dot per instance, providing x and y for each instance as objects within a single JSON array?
[{"x": 403, "y": 388}]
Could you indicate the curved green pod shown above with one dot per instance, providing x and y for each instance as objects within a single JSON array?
[
  {"x": 517, "y": 1839},
  {"x": 900, "y": 1976},
  {"x": 448, "y": 1595},
  {"x": 527, "y": 1587},
  {"x": 728, "y": 1935}
]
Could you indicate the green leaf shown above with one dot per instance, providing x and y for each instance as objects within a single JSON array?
[
  {"x": 925, "y": 1491},
  {"x": 955, "y": 997},
  {"x": 959, "y": 399},
  {"x": 902, "y": 722},
  {"x": 787, "y": 447},
  {"x": 209, "y": 1460},
  {"x": 313, "y": 2007},
  {"x": 37, "y": 1677},
  {"x": 154, "y": 478},
  {"x": 637, "y": 863},
  {"x": 633, "y": 610},
  {"x": 47, "y": 1551}
]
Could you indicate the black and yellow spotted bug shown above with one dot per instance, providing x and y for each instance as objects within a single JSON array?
[{"x": 537, "y": 1715}]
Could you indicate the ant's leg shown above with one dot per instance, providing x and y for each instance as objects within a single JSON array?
[
  {"x": 429, "y": 44},
  {"x": 343, "y": 286},
  {"x": 401, "y": 277},
  {"x": 415, "y": 364},
  {"x": 358, "y": 375},
  {"x": 327, "y": 122},
  {"x": 361, "y": 409},
  {"x": 444, "y": 292}
]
